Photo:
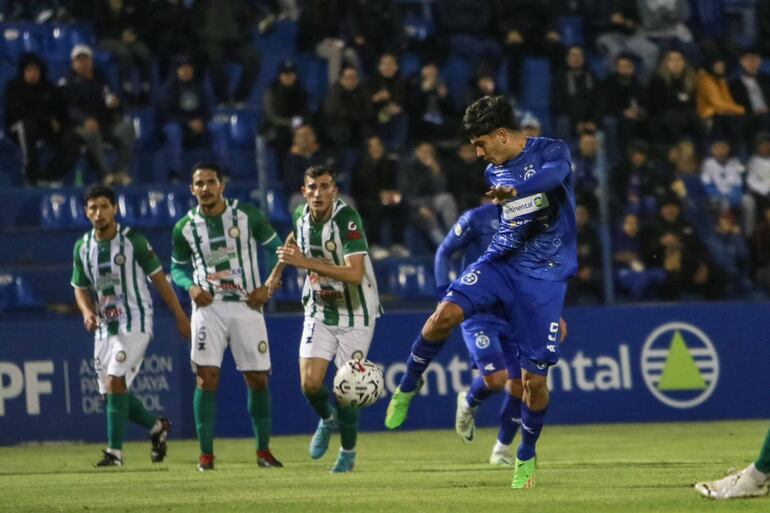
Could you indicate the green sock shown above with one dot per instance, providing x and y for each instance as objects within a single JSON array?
[
  {"x": 320, "y": 402},
  {"x": 138, "y": 414},
  {"x": 259, "y": 409},
  {"x": 205, "y": 408},
  {"x": 347, "y": 418},
  {"x": 117, "y": 415},
  {"x": 763, "y": 461}
]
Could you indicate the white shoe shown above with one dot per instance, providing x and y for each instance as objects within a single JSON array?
[
  {"x": 465, "y": 422},
  {"x": 737, "y": 485},
  {"x": 501, "y": 457}
]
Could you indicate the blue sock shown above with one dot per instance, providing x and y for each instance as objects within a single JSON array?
[
  {"x": 510, "y": 418},
  {"x": 422, "y": 354},
  {"x": 531, "y": 426},
  {"x": 478, "y": 392}
]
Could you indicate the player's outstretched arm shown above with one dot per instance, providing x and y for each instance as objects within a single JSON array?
[
  {"x": 86, "y": 305},
  {"x": 275, "y": 277},
  {"x": 169, "y": 297}
]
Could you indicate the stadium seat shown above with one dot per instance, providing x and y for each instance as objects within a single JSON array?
[
  {"x": 144, "y": 127},
  {"x": 408, "y": 279},
  {"x": 457, "y": 74},
  {"x": 240, "y": 126},
  {"x": 570, "y": 30},
  {"x": 16, "y": 294},
  {"x": 277, "y": 209},
  {"x": 312, "y": 73},
  {"x": 60, "y": 38},
  {"x": 158, "y": 208},
  {"x": 60, "y": 211},
  {"x": 535, "y": 83},
  {"x": 18, "y": 38}
]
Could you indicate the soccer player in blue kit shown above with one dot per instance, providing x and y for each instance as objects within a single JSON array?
[
  {"x": 524, "y": 270},
  {"x": 486, "y": 335}
]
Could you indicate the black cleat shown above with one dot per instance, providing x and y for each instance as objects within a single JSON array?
[
  {"x": 158, "y": 440},
  {"x": 266, "y": 459},
  {"x": 109, "y": 460}
]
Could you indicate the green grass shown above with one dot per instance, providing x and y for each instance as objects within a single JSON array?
[{"x": 586, "y": 469}]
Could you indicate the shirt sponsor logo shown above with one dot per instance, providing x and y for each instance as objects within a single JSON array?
[
  {"x": 522, "y": 206},
  {"x": 106, "y": 281},
  {"x": 220, "y": 255}
]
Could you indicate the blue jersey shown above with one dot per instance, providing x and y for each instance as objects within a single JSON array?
[
  {"x": 472, "y": 233},
  {"x": 537, "y": 234}
]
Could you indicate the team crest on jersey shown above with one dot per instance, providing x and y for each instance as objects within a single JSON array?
[
  {"x": 119, "y": 259},
  {"x": 357, "y": 355},
  {"x": 482, "y": 341},
  {"x": 470, "y": 278},
  {"x": 262, "y": 346},
  {"x": 330, "y": 245},
  {"x": 458, "y": 229},
  {"x": 120, "y": 357},
  {"x": 352, "y": 226},
  {"x": 529, "y": 171},
  {"x": 234, "y": 232}
]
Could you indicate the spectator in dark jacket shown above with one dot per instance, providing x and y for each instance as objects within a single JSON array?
[
  {"x": 35, "y": 114},
  {"x": 169, "y": 33},
  {"x": 647, "y": 182},
  {"x": 466, "y": 177},
  {"x": 572, "y": 96},
  {"x": 305, "y": 151},
  {"x": 623, "y": 106},
  {"x": 585, "y": 170},
  {"x": 760, "y": 247},
  {"x": 751, "y": 89},
  {"x": 387, "y": 91},
  {"x": 586, "y": 285},
  {"x": 285, "y": 107},
  {"x": 184, "y": 111},
  {"x": 465, "y": 28},
  {"x": 346, "y": 110},
  {"x": 118, "y": 32},
  {"x": 224, "y": 31},
  {"x": 319, "y": 30},
  {"x": 97, "y": 116},
  {"x": 375, "y": 189},
  {"x": 672, "y": 101},
  {"x": 433, "y": 117},
  {"x": 730, "y": 256},
  {"x": 376, "y": 29},
  {"x": 632, "y": 274}
]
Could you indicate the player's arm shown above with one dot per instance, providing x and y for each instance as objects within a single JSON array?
[
  {"x": 182, "y": 269},
  {"x": 458, "y": 237},
  {"x": 555, "y": 169},
  {"x": 265, "y": 234},
  {"x": 82, "y": 286}
]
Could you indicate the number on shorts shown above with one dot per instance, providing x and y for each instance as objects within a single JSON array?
[
  {"x": 201, "y": 338},
  {"x": 553, "y": 331}
]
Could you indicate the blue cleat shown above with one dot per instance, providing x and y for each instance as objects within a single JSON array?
[
  {"x": 345, "y": 462},
  {"x": 320, "y": 441}
]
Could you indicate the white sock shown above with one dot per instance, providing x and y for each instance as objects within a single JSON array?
[
  {"x": 116, "y": 452},
  {"x": 349, "y": 451},
  {"x": 501, "y": 447},
  {"x": 758, "y": 476},
  {"x": 156, "y": 427}
]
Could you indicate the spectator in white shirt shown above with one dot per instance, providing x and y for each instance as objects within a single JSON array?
[{"x": 722, "y": 177}]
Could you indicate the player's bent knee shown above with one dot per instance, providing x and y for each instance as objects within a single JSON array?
[
  {"x": 311, "y": 387},
  {"x": 256, "y": 380},
  {"x": 536, "y": 386},
  {"x": 496, "y": 381},
  {"x": 207, "y": 378},
  {"x": 515, "y": 388},
  {"x": 444, "y": 319}
]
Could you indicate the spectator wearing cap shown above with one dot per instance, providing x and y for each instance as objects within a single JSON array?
[
  {"x": 118, "y": 32},
  {"x": 96, "y": 113},
  {"x": 715, "y": 104},
  {"x": 184, "y": 110},
  {"x": 572, "y": 95},
  {"x": 224, "y": 29},
  {"x": 672, "y": 101},
  {"x": 285, "y": 107},
  {"x": 35, "y": 114},
  {"x": 387, "y": 91},
  {"x": 530, "y": 125},
  {"x": 751, "y": 90}
]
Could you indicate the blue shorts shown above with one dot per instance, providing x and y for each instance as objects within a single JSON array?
[
  {"x": 533, "y": 307},
  {"x": 491, "y": 346}
]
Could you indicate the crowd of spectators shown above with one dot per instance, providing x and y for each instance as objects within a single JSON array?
[{"x": 667, "y": 100}]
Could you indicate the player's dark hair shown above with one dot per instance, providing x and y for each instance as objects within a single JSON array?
[
  {"x": 488, "y": 114},
  {"x": 208, "y": 166},
  {"x": 316, "y": 171},
  {"x": 99, "y": 191}
]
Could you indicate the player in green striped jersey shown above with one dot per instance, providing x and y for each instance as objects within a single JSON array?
[
  {"x": 215, "y": 258},
  {"x": 340, "y": 299},
  {"x": 113, "y": 263}
]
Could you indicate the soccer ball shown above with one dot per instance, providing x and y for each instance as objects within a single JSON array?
[{"x": 358, "y": 383}]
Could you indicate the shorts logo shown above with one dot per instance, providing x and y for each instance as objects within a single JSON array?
[
  {"x": 234, "y": 232},
  {"x": 330, "y": 245},
  {"x": 680, "y": 365},
  {"x": 542, "y": 365},
  {"x": 120, "y": 357},
  {"x": 262, "y": 346},
  {"x": 357, "y": 355},
  {"x": 470, "y": 278},
  {"x": 482, "y": 341},
  {"x": 119, "y": 259},
  {"x": 458, "y": 229}
]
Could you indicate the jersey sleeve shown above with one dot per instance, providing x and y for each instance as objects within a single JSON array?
[
  {"x": 79, "y": 279},
  {"x": 144, "y": 254},
  {"x": 555, "y": 169},
  {"x": 260, "y": 227},
  {"x": 180, "y": 248},
  {"x": 295, "y": 217},
  {"x": 351, "y": 232}
]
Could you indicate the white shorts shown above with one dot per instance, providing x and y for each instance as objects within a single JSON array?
[
  {"x": 222, "y": 323},
  {"x": 334, "y": 342},
  {"x": 119, "y": 355}
]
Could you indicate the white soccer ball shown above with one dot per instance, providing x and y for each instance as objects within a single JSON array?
[{"x": 358, "y": 383}]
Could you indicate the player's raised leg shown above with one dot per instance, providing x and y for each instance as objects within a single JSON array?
[{"x": 428, "y": 344}]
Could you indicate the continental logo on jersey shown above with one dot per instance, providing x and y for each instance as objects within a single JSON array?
[
  {"x": 219, "y": 256},
  {"x": 523, "y": 206},
  {"x": 458, "y": 229},
  {"x": 330, "y": 245},
  {"x": 353, "y": 233}
]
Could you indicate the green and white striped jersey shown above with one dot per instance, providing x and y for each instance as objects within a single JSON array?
[
  {"x": 333, "y": 302},
  {"x": 117, "y": 271},
  {"x": 223, "y": 249}
]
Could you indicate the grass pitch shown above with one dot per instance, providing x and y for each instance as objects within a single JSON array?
[{"x": 587, "y": 469}]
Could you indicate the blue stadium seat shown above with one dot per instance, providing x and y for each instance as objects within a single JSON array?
[
  {"x": 16, "y": 294},
  {"x": 144, "y": 127},
  {"x": 408, "y": 279},
  {"x": 312, "y": 73},
  {"x": 277, "y": 209},
  {"x": 536, "y": 83},
  {"x": 241, "y": 126},
  {"x": 60, "y": 38},
  {"x": 457, "y": 74},
  {"x": 158, "y": 208},
  {"x": 59, "y": 210},
  {"x": 18, "y": 38},
  {"x": 571, "y": 30}
]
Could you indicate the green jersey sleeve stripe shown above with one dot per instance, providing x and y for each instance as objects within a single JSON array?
[
  {"x": 155, "y": 271},
  {"x": 356, "y": 253},
  {"x": 137, "y": 295},
  {"x": 79, "y": 287},
  {"x": 269, "y": 240},
  {"x": 180, "y": 261},
  {"x": 123, "y": 281},
  {"x": 238, "y": 246}
]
